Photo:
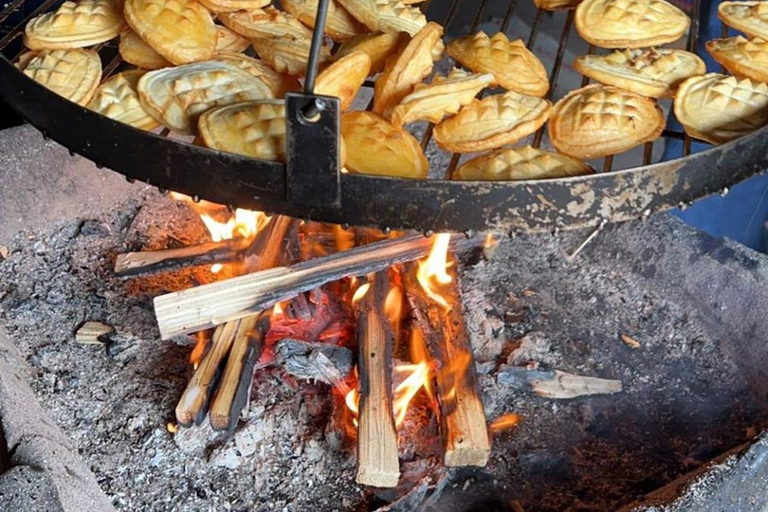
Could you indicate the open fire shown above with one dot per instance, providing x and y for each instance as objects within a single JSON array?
[{"x": 331, "y": 292}]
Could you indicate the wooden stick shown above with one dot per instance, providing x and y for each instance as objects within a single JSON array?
[
  {"x": 464, "y": 424},
  {"x": 132, "y": 263},
  {"x": 191, "y": 406},
  {"x": 377, "y": 459},
  {"x": 233, "y": 391},
  {"x": 248, "y": 344},
  {"x": 211, "y": 304}
]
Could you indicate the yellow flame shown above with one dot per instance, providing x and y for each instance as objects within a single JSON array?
[
  {"x": 393, "y": 304},
  {"x": 420, "y": 353},
  {"x": 199, "y": 351},
  {"x": 360, "y": 293},
  {"x": 505, "y": 421},
  {"x": 171, "y": 427},
  {"x": 490, "y": 241},
  {"x": 432, "y": 272},
  {"x": 277, "y": 311}
]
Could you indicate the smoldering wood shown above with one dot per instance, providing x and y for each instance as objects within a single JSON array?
[
  {"x": 314, "y": 361},
  {"x": 191, "y": 406},
  {"x": 463, "y": 418},
  {"x": 225, "y": 251},
  {"x": 377, "y": 456},
  {"x": 208, "y": 305}
]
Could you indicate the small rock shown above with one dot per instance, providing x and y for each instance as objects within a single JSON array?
[
  {"x": 534, "y": 347},
  {"x": 226, "y": 457}
]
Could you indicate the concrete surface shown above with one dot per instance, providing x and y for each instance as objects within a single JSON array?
[{"x": 41, "y": 184}]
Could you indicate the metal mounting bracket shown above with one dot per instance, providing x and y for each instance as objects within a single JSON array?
[{"x": 313, "y": 151}]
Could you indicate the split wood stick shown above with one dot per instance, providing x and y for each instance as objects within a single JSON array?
[
  {"x": 211, "y": 304},
  {"x": 377, "y": 459},
  {"x": 133, "y": 263},
  {"x": 234, "y": 389},
  {"x": 464, "y": 425},
  {"x": 191, "y": 406}
]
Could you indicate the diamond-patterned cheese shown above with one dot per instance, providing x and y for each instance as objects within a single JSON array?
[
  {"x": 749, "y": 17},
  {"x": 515, "y": 164},
  {"x": 630, "y": 23},
  {"x": 718, "y": 108},
  {"x": 492, "y": 122},
  {"x": 267, "y": 23},
  {"x": 742, "y": 56},
  {"x": 344, "y": 78},
  {"x": 375, "y": 146},
  {"x": 73, "y": 74},
  {"x": 279, "y": 83},
  {"x": 229, "y": 41},
  {"x": 75, "y": 25},
  {"x": 135, "y": 51},
  {"x": 600, "y": 120},
  {"x": 443, "y": 97},
  {"x": 410, "y": 67},
  {"x": 512, "y": 65},
  {"x": 251, "y": 128},
  {"x": 177, "y": 96},
  {"x": 386, "y": 15},
  {"x": 655, "y": 72},
  {"x": 339, "y": 24},
  {"x": 287, "y": 55},
  {"x": 118, "y": 99},
  {"x": 182, "y": 31}
]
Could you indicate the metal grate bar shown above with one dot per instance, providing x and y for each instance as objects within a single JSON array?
[
  {"x": 534, "y": 29},
  {"x": 508, "y": 16},
  {"x": 112, "y": 66},
  {"x": 693, "y": 37},
  {"x": 585, "y": 79},
  {"x": 647, "y": 152},
  {"x": 10, "y": 8},
  {"x": 553, "y": 75},
  {"x": 20, "y": 27},
  {"x": 478, "y": 17}
]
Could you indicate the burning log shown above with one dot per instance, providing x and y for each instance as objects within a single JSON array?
[
  {"x": 234, "y": 389},
  {"x": 211, "y": 304},
  {"x": 132, "y": 263},
  {"x": 377, "y": 459},
  {"x": 324, "y": 362},
  {"x": 443, "y": 328}
]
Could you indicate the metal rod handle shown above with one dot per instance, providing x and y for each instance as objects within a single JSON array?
[{"x": 317, "y": 44}]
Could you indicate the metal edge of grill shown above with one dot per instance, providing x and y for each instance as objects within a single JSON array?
[{"x": 427, "y": 205}]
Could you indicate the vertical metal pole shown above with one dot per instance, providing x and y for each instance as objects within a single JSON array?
[{"x": 317, "y": 44}]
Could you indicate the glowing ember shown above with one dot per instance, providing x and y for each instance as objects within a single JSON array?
[
  {"x": 432, "y": 271},
  {"x": 171, "y": 427},
  {"x": 277, "y": 311},
  {"x": 360, "y": 293},
  {"x": 505, "y": 421}
]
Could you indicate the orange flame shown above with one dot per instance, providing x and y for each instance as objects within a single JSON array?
[
  {"x": 432, "y": 272},
  {"x": 418, "y": 377},
  {"x": 244, "y": 223},
  {"x": 277, "y": 311},
  {"x": 199, "y": 351},
  {"x": 393, "y": 304},
  {"x": 360, "y": 293},
  {"x": 505, "y": 422}
]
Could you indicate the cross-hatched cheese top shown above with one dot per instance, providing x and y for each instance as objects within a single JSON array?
[
  {"x": 288, "y": 55},
  {"x": 749, "y": 17},
  {"x": 375, "y": 146},
  {"x": 177, "y": 96},
  {"x": 443, "y": 97},
  {"x": 742, "y": 56},
  {"x": 524, "y": 163},
  {"x": 513, "y": 66},
  {"x": 118, "y": 99},
  {"x": 278, "y": 83},
  {"x": 598, "y": 120},
  {"x": 135, "y": 51},
  {"x": 492, "y": 122},
  {"x": 75, "y": 25},
  {"x": 339, "y": 24},
  {"x": 718, "y": 108},
  {"x": 229, "y": 41},
  {"x": 73, "y": 74},
  {"x": 386, "y": 15},
  {"x": 654, "y": 72},
  {"x": 630, "y": 23},
  {"x": 182, "y": 31},
  {"x": 252, "y": 128},
  {"x": 267, "y": 22}
]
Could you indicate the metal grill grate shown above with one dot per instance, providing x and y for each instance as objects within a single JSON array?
[{"x": 672, "y": 178}]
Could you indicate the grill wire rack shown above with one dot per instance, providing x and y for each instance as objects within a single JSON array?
[{"x": 669, "y": 172}]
